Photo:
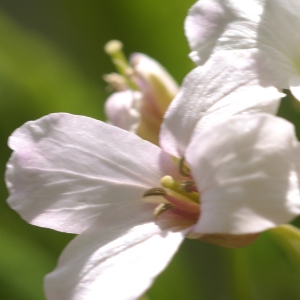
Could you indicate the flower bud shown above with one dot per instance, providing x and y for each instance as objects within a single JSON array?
[
  {"x": 154, "y": 81},
  {"x": 148, "y": 91},
  {"x": 122, "y": 109}
]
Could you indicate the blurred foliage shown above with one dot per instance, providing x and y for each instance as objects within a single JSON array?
[
  {"x": 52, "y": 59},
  {"x": 268, "y": 269}
]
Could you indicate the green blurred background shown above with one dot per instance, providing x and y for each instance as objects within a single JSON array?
[{"x": 52, "y": 60}]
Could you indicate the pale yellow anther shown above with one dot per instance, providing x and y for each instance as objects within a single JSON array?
[
  {"x": 113, "y": 46},
  {"x": 114, "y": 49},
  {"x": 116, "y": 82}
]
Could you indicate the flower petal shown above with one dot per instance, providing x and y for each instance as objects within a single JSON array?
[
  {"x": 246, "y": 173},
  {"x": 118, "y": 264},
  {"x": 214, "y": 25},
  {"x": 67, "y": 170},
  {"x": 122, "y": 109},
  {"x": 157, "y": 85},
  {"x": 294, "y": 84},
  {"x": 227, "y": 84},
  {"x": 278, "y": 37},
  {"x": 247, "y": 100}
]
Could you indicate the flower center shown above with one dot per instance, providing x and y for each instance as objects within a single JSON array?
[{"x": 178, "y": 203}]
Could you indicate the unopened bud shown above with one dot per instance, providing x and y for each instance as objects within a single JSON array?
[{"x": 154, "y": 81}]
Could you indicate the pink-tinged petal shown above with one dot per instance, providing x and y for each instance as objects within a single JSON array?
[
  {"x": 67, "y": 170},
  {"x": 122, "y": 109},
  {"x": 157, "y": 85},
  {"x": 227, "y": 84},
  {"x": 118, "y": 264},
  {"x": 246, "y": 173},
  {"x": 214, "y": 25}
]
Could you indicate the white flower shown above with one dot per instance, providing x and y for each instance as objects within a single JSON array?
[
  {"x": 143, "y": 93},
  {"x": 130, "y": 204},
  {"x": 271, "y": 26}
]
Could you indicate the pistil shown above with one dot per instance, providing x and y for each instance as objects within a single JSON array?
[{"x": 176, "y": 189}]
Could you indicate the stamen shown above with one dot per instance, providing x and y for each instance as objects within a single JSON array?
[
  {"x": 184, "y": 170},
  {"x": 114, "y": 49},
  {"x": 155, "y": 192},
  {"x": 161, "y": 208},
  {"x": 116, "y": 82}
]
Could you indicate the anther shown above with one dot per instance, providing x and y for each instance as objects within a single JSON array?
[
  {"x": 114, "y": 49},
  {"x": 113, "y": 46},
  {"x": 116, "y": 82},
  {"x": 183, "y": 168},
  {"x": 161, "y": 208},
  {"x": 155, "y": 192}
]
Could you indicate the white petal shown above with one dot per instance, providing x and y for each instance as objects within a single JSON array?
[
  {"x": 214, "y": 25},
  {"x": 246, "y": 173},
  {"x": 122, "y": 109},
  {"x": 119, "y": 264},
  {"x": 279, "y": 37},
  {"x": 247, "y": 100},
  {"x": 67, "y": 170},
  {"x": 294, "y": 84},
  {"x": 227, "y": 84},
  {"x": 270, "y": 26}
]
